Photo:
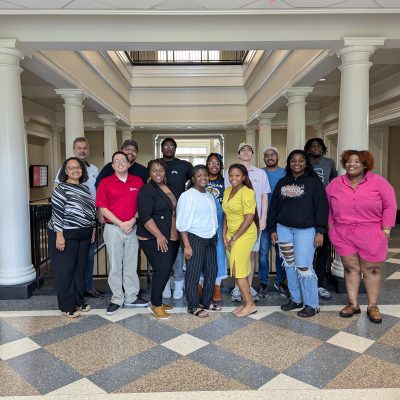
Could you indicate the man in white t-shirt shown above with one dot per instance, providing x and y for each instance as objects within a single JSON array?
[
  {"x": 80, "y": 148},
  {"x": 261, "y": 187}
]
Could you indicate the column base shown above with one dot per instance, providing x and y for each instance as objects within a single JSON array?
[
  {"x": 14, "y": 292},
  {"x": 340, "y": 286}
]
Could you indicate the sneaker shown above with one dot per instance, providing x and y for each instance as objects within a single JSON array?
[
  {"x": 138, "y": 303},
  {"x": 178, "y": 290},
  {"x": 236, "y": 295},
  {"x": 159, "y": 312},
  {"x": 83, "y": 308},
  {"x": 291, "y": 305},
  {"x": 323, "y": 293},
  {"x": 308, "y": 312},
  {"x": 282, "y": 289},
  {"x": 112, "y": 308},
  {"x": 94, "y": 293},
  {"x": 254, "y": 294},
  {"x": 167, "y": 308},
  {"x": 72, "y": 314},
  {"x": 263, "y": 290}
]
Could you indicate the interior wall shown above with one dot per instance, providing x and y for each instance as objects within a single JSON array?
[
  {"x": 278, "y": 140},
  {"x": 96, "y": 148},
  {"x": 146, "y": 146},
  {"x": 394, "y": 161}
]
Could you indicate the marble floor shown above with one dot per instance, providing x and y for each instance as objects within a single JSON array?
[{"x": 271, "y": 354}]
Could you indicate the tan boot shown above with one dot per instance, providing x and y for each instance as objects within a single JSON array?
[{"x": 217, "y": 293}]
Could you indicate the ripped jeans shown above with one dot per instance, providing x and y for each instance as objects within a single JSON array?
[{"x": 296, "y": 247}]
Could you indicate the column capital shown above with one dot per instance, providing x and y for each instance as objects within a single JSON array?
[
  {"x": 251, "y": 130},
  {"x": 10, "y": 55},
  {"x": 127, "y": 129},
  {"x": 72, "y": 96},
  {"x": 363, "y": 41},
  {"x": 266, "y": 118},
  {"x": 109, "y": 119},
  {"x": 300, "y": 92}
]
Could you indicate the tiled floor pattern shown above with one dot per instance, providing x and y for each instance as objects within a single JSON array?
[{"x": 50, "y": 354}]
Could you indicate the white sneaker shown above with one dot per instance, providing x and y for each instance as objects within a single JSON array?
[
  {"x": 323, "y": 293},
  {"x": 254, "y": 294},
  {"x": 178, "y": 290},
  {"x": 236, "y": 295},
  {"x": 167, "y": 290}
]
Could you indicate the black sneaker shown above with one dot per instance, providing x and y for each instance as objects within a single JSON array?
[
  {"x": 291, "y": 305},
  {"x": 308, "y": 312},
  {"x": 94, "y": 293},
  {"x": 112, "y": 308},
  {"x": 138, "y": 303},
  {"x": 282, "y": 289},
  {"x": 263, "y": 290}
]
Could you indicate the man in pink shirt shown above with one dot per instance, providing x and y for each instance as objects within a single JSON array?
[{"x": 116, "y": 200}]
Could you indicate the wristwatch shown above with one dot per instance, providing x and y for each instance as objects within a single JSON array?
[{"x": 386, "y": 231}]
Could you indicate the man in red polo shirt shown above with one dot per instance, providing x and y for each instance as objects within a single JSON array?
[{"x": 116, "y": 200}]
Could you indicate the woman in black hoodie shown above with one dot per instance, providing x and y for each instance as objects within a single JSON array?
[{"x": 297, "y": 220}]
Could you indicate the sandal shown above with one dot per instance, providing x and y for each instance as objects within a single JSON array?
[
  {"x": 83, "y": 308},
  {"x": 71, "y": 314},
  {"x": 216, "y": 306},
  {"x": 199, "y": 312}
]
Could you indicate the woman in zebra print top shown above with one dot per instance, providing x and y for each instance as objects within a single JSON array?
[{"x": 70, "y": 230}]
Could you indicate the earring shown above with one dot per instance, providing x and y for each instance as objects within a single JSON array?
[
  {"x": 148, "y": 179},
  {"x": 165, "y": 181}
]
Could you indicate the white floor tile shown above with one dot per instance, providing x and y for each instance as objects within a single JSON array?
[
  {"x": 17, "y": 347},
  {"x": 393, "y": 260},
  {"x": 185, "y": 344},
  {"x": 285, "y": 382},
  {"x": 396, "y": 275},
  {"x": 351, "y": 342},
  {"x": 81, "y": 387}
]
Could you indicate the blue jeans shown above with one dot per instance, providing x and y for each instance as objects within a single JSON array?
[
  {"x": 89, "y": 267},
  {"x": 263, "y": 260},
  {"x": 302, "y": 281}
]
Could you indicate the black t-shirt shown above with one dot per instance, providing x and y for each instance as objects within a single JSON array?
[
  {"x": 216, "y": 187},
  {"x": 178, "y": 173},
  {"x": 135, "y": 169}
]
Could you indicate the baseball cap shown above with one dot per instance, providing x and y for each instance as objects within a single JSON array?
[
  {"x": 271, "y": 148},
  {"x": 241, "y": 145}
]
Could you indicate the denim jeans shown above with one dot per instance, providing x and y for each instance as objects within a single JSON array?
[
  {"x": 263, "y": 260},
  {"x": 89, "y": 267},
  {"x": 302, "y": 283}
]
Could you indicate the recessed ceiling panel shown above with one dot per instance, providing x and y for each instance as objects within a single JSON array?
[
  {"x": 224, "y": 4},
  {"x": 41, "y": 4},
  {"x": 179, "y": 5},
  {"x": 87, "y": 5},
  {"x": 357, "y": 4},
  {"x": 267, "y": 4},
  {"x": 132, "y": 4},
  {"x": 312, "y": 3},
  {"x": 4, "y": 5}
]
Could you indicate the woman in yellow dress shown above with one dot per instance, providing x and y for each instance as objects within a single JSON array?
[{"x": 240, "y": 232}]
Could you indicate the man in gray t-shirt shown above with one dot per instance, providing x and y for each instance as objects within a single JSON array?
[{"x": 325, "y": 168}]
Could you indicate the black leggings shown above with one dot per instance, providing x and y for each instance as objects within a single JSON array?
[
  {"x": 203, "y": 260},
  {"x": 69, "y": 266},
  {"x": 162, "y": 264},
  {"x": 321, "y": 260}
]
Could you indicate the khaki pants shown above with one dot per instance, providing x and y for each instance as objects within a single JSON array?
[{"x": 122, "y": 250}]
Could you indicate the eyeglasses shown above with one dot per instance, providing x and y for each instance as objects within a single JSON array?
[
  {"x": 169, "y": 146},
  {"x": 129, "y": 149},
  {"x": 72, "y": 169},
  {"x": 121, "y": 161}
]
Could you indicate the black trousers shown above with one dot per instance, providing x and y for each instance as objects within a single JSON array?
[
  {"x": 162, "y": 264},
  {"x": 69, "y": 266},
  {"x": 321, "y": 260},
  {"x": 203, "y": 260}
]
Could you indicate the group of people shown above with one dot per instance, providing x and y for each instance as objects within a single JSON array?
[{"x": 203, "y": 219}]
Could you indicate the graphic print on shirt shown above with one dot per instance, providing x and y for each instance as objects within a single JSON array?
[
  {"x": 292, "y": 191},
  {"x": 320, "y": 173}
]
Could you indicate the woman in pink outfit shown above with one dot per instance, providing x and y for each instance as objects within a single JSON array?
[{"x": 362, "y": 210}]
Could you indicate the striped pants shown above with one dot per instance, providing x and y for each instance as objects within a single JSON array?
[{"x": 203, "y": 261}]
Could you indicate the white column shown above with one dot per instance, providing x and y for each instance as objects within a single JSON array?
[
  {"x": 15, "y": 250},
  {"x": 73, "y": 116},
  {"x": 296, "y": 126},
  {"x": 126, "y": 133},
  {"x": 251, "y": 137},
  {"x": 354, "y": 103},
  {"x": 56, "y": 146},
  {"x": 264, "y": 135},
  {"x": 318, "y": 131},
  {"x": 110, "y": 135}
]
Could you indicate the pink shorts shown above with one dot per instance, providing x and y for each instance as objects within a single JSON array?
[{"x": 369, "y": 242}]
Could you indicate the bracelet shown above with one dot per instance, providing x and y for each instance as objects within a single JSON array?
[
  {"x": 387, "y": 231},
  {"x": 233, "y": 237}
]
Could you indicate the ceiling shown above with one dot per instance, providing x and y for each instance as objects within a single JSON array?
[{"x": 196, "y": 5}]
